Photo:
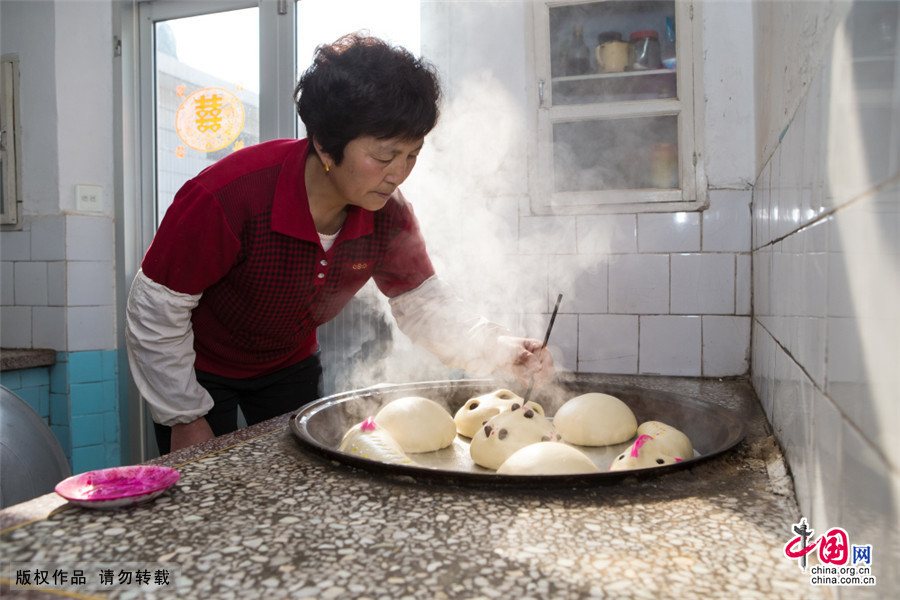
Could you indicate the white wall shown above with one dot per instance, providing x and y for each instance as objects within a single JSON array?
[
  {"x": 29, "y": 30},
  {"x": 728, "y": 55},
  {"x": 83, "y": 74},
  {"x": 826, "y": 263},
  {"x": 643, "y": 293},
  {"x": 58, "y": 269}
]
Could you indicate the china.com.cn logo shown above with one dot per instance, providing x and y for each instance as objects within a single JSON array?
[{"x": 841, "y": 562}]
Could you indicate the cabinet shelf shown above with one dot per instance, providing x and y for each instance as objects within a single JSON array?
[
  {"x": 620, "y": 75},
  {"x": 602, "y": 88}
]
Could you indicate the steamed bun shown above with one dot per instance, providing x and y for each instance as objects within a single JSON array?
[
  {"x": 595, "y": 419},
  {"x": 370, "y": 441},
  {"x": 547, "y": 458},
  {"x": 507, "y": 432},
  {"x": 478, "y": 410},
  {"x": 644, "y": 453},
  {"x": 418, "y": 424},
  {"x": 671, "y": 441}
]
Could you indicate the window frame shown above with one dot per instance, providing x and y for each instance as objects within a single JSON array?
[
  {"x": 277, "y": 75},
  {"x": 136, "y": 132},
  {"x": 692, "y": 195},
  {"x": 10, "y": 147}
]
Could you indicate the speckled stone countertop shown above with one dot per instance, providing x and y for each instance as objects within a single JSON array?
[
  {"x": 27, "y": 358},
  {"x": 256, "y": 515}
]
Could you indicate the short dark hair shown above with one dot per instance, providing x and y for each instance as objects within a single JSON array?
[{"x": 361, "y": 85}]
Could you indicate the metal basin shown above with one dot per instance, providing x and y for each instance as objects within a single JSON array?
[{"x": 320, "y": 426}]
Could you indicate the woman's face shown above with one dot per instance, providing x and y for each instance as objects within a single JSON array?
[{"x": 372, "y": 169}]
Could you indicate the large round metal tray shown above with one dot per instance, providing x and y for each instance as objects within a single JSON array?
[{"x": 320, "y": 426}]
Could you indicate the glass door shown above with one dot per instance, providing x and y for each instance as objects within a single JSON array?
[
  {"x": 200, "y": 77},
  {"x": 214, "y": 76},
  {"x": 206, "y": 94},
  {"x": 223, "y": 73}
]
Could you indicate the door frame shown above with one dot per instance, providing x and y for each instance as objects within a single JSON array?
[{"x": 135, "y": 133}]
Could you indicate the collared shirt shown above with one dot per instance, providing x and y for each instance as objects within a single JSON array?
[{"x": 241, "y": 235}]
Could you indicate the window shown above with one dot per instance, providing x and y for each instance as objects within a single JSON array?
[
  {"x": 616, "y": 126},
  {"x": 223, "y": 74},
  {"x": 206, "y": 94},
  {"x": 9, "y": 136}
]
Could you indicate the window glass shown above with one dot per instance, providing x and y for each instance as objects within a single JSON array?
[
  {"x": 8, "y": 142},
  {"x": 632, "y": 153},
  {"x": 207, "y": 94},
  {"x": 613, "y": 51}
]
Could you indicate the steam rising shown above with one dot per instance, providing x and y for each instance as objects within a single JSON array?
[{"x": 466, "y": 191}]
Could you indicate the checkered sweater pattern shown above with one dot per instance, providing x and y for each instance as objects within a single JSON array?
[{"x": 240, "y": 234}]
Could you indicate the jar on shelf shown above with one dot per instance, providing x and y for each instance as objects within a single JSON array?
[
  {"x": 664, "y": 166},
  {"x": 578, "y": 57},
  {"x": 669, "y": 59},
  {"x": 644, "y": 54},
  {"x": 611, "y": 52}
]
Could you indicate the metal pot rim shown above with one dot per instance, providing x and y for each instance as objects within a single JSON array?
[{"x": 713, "y": 430}]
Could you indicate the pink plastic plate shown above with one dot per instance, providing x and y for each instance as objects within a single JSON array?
[{"x": 118, "y": 486}]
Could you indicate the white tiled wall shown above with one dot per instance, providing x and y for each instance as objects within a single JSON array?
[
  {"x": 676, "y": 295},
  {"x": 651, "y": 293},
  {"x": 648, "y": 293},
  {"x": 826, "y": 289},
  {"x": 670, "y": 345},
  {"x": 703, "y": 283},
  {"x": 662, "y": 233},
  {"x": 725, "y": 345},
  {"x": 58, "y": 284},
  {"x": 608, "y": 343},
  {"x": 639, "y": 284}
]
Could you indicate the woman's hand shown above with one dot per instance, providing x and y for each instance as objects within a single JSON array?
[
  {"x": 523, "y": 358},
  {"x": 188, "y": 434}
]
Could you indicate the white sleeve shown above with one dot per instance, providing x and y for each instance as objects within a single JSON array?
[
  {"x": 432, "y": 316},
  {"x": 160, "y": 345}
]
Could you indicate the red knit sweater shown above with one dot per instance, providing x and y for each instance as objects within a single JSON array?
[{"x": 241, "y": 234}]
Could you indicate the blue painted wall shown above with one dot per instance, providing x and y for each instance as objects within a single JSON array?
[{"x": 78, "y": 398}]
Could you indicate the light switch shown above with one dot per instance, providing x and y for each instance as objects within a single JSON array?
[{"x": 89, "y": 198}]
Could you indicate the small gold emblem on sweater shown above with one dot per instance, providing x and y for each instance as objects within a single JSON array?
[{"x": 360, "y": 266}]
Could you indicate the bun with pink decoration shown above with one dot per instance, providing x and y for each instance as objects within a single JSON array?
[
  {"x": 370, "y": 441},
  {"x": 644, "y": 453},
  {"x": 670, "y": 440}
]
